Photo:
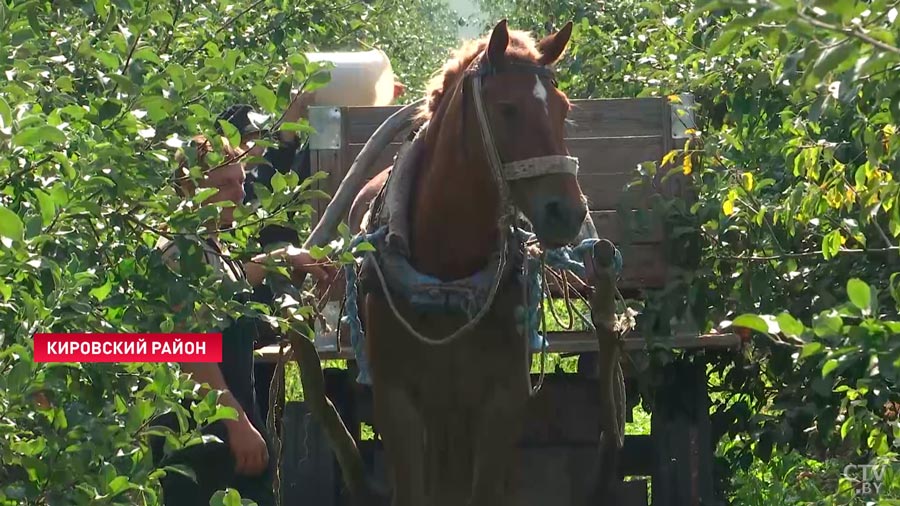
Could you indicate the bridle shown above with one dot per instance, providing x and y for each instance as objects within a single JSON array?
[{"x": 504, "y": 172}]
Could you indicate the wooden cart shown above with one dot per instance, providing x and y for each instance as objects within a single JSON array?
[{"x": 611, "y": 138}]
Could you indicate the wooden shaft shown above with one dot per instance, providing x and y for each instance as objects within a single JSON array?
[
  {"x": 611, "y": 388},
  {"x": 323, "y": 410}
]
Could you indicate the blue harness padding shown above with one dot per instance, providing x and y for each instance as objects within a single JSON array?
[{"x": 429, "y": 294}]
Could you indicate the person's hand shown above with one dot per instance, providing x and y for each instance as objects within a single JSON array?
[
  {"x": 303, "y": 263},
  {"x": 248, "y": 447}
]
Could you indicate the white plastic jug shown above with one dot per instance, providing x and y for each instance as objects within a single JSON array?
[{"x": 358, "y": 78}]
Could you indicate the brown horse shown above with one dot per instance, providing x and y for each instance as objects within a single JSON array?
[{"x": 449, "y": 411}]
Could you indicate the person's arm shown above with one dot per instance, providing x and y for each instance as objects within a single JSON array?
[
  {"x": 297, "y": 258},
  {"x": 246, "y": 444}
]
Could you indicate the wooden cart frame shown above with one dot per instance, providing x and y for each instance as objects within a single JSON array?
[{"x": 611, "y": 137}]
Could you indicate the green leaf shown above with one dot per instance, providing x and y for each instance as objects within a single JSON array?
[
  {"x": 829, "y": 366},
  {"x": 5, "y": 114},
  {"x": 284, "y": 90},
  {"x": 278, "y": 182},
  {"x": 47, "y": 206},
  {"x": 126, "y": 85},
  {"x": 831, "y": 244},
  {"x": 35, "y": 136},
  {"x": 846, "y": 426},
  {"x": 109, "y": 110},
  {"x": 318, "y": 80},
  {"x": 755, "y": 322},
  {"x": 318, "y": 252},
  {"x": 162, "y": 16},
  {"x": 227, "y": 497},
  {"x": 833, "y": 57},
  {"x": 102, "y": 291},
  {"x": 724, "y": 40},
  {"x": 182, "y": 470},
  {"x": 877, "y": 441},
  {"x": 298, "y": 61},
  {"x": 204, "y": 194},
  {"x": 827, "y": 324},
  {"x": 223, "y": 413},
  {"x": 297, "y": 127},
  {"x": 894, "y": 286},
  {"x": 11, "y": 225},
  {"x": 231, "y": 132},
  {"x": 860, "y": 176},
  {"x": 789, "y": 325},
  {"x": 265, "y": 97},
  {"x": 100, "y": 7},
  {"x": 860, "y": 294},
  {"x": 147, "y": 53},
  {"x": 119, "y": 484},
  {"x": 29, "y": 447},
  {"x": 810, "y": 349},
  {"x": 364, "y": 247},
  {"x": 22, "y": 36}
]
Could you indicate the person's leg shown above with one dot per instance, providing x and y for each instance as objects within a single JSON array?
[{"x": 212, "y": 464}]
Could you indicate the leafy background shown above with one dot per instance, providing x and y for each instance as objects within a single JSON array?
[
  {"x": 792, "y": 238},
  {"x": 96, "y": 99}
]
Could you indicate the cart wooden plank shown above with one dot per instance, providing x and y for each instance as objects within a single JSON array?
[
  {"x": 570, "y": 342},
  {"x": 607, "y": 165},
  {"x": 615, "y": 117}
]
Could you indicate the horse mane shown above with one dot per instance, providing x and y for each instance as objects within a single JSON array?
[{"x": 522, "y": 47}]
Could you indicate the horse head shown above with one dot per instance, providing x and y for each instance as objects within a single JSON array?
[
  {"x": 496, "y": 137},
  {"x": 527, "y": 115}
]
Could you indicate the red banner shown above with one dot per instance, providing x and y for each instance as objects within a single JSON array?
[{"x": 128, "y": 348}]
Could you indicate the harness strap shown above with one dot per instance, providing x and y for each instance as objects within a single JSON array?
[
  {"x": 490, "y": 147},
  {"x": 540, "y": 166}
]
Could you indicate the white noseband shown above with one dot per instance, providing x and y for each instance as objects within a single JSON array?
[{"x": 540, "y": 166}]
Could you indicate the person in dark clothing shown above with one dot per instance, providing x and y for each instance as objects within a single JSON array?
[
  {"x": 289, "y": 155},
  {"x": 244, "y": 460}
]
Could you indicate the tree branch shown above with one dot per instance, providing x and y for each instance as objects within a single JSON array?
[
  {"x": 165, "y": 47},
  {"x": 21, "y": 172},
  {"x": 137, "y": 39},
  {"x": 807, "y": 254},
  {"x": 849, "y": 32}
]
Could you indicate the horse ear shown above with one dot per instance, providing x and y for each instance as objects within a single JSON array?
[
  {"x": 553, "y": 46},
  {"x": 499, "y": 40}
]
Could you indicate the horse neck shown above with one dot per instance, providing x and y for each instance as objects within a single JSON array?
[{"x": 455, "y": 212}]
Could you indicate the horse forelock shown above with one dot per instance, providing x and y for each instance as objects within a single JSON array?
[{"x": 522, "y": 48}]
